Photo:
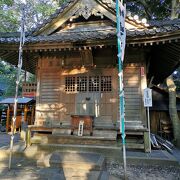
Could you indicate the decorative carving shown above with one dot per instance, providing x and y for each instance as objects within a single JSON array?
[{"x": 86, "y": 10}]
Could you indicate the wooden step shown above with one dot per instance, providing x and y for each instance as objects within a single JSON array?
[
  {"x": 72, "y": 139},
  {"x": 105, "y": 133},
  {"x": 136, "y": 125}
]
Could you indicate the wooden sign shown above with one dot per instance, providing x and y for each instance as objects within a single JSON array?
[
  {"x": 81, "y": 126},
  {"x": 147, "y": 97}
]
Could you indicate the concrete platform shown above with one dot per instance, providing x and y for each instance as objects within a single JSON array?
[
  {"x": 69, "y": 165},
  {"x": 74, "y": 160},
  {"x": 34, "y": 152}
]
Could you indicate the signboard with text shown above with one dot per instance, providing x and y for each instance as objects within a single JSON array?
[{"x": 147, "y": 97}]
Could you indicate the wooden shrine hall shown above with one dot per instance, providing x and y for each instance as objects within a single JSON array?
[{"x": 74, "y": 57}]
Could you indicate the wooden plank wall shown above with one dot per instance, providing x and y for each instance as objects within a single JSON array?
[
  {"x": 48, "y": 96},
  {"x": 55, "y": 106}
]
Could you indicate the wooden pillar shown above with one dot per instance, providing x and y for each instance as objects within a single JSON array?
[
  {"x": 146, "y": 142},
  {"x": 25, "y": 113},
  {"x": 28, "y": 137},
  {"x": 8, "y": 118},
  {"x": 32, "y": 113}
]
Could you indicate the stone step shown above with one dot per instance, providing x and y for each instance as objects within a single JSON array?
[
  {"x": 61, "y": 131},
  {"x": 134, "y": 125},
  {"x": 71, "y": 174},
  {"x": 106, "y": 151},
  {"x": 105, "y": 133},
  {"x": 73, "y": 160},
  {"x": 36, "y": 139},
  {"x": 72, "y": 139}
]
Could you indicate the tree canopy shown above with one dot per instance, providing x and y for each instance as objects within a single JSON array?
[
  {"x": 37, "y": 10},
  {"x": 154, "y": 9}
]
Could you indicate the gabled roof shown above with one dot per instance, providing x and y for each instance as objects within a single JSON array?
[
  {"x": 85, "y": 8},
  {"x": 158, "y": 31}
]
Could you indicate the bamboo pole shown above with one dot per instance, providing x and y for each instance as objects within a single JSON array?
[
  {"x": 121, "y": 35},
  {"x": 22, "y": 39}
]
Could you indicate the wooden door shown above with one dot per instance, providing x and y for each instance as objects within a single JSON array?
[
  {"x": 95, "y": 97},
  {"x": 88, "y": 95},
  {"x": 87, "y": 104}
]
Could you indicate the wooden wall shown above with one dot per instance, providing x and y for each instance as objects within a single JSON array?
[
  {"x": 55, "y": 105},
  {"x": 156, "y": 117}
]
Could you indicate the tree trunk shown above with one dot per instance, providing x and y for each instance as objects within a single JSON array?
[
  {"x": 172, "y": 88},
  {"x": 173, "y": 110},
  {"x": 175, "y": 9}
]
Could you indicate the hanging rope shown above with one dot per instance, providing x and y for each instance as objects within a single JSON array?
[
  {"x": 121, "y": 43},
  {"x": 20, "y": 60}
]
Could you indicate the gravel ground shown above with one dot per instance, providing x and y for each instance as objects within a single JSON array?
[
  {"x": 144, "y": 172},
  {"x": 134, "y": 172}
]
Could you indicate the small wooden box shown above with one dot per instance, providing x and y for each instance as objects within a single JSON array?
[{"x": 88, "y": 122}]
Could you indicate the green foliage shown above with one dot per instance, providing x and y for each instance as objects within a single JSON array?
[
  {"x": 176, "y": 77},
  {"x": 8, "y": 75},
  {"x": 6, "y": 2},
  {"x": 151, "y": 9},
  {"x": 31, "y": 78},
  {"x": 61, "y": 1},
  {"x": 35, "y": 12},
  {"x": 8, "y": 17}
]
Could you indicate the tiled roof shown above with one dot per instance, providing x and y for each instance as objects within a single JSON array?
[
  {"x": 156, "y": 28},
  {"x": 23, "y": 100}
]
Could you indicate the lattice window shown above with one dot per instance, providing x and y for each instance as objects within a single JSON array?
[
  {"x": 70, "y": 84},
  {"x": 82, "y": 84},
  {"x": 106, "y": 84},
  {"x": 93, "y": 83}
]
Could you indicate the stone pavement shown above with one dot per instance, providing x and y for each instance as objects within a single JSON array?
[
  {"x": 139, "y": 166},
  {"x": 176, "y": 154},
  {"x": 26, "y": 169},
  {"x": 5, "y": 139}
]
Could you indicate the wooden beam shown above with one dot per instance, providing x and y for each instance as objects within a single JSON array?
[{"x": 8, "y": 119}]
